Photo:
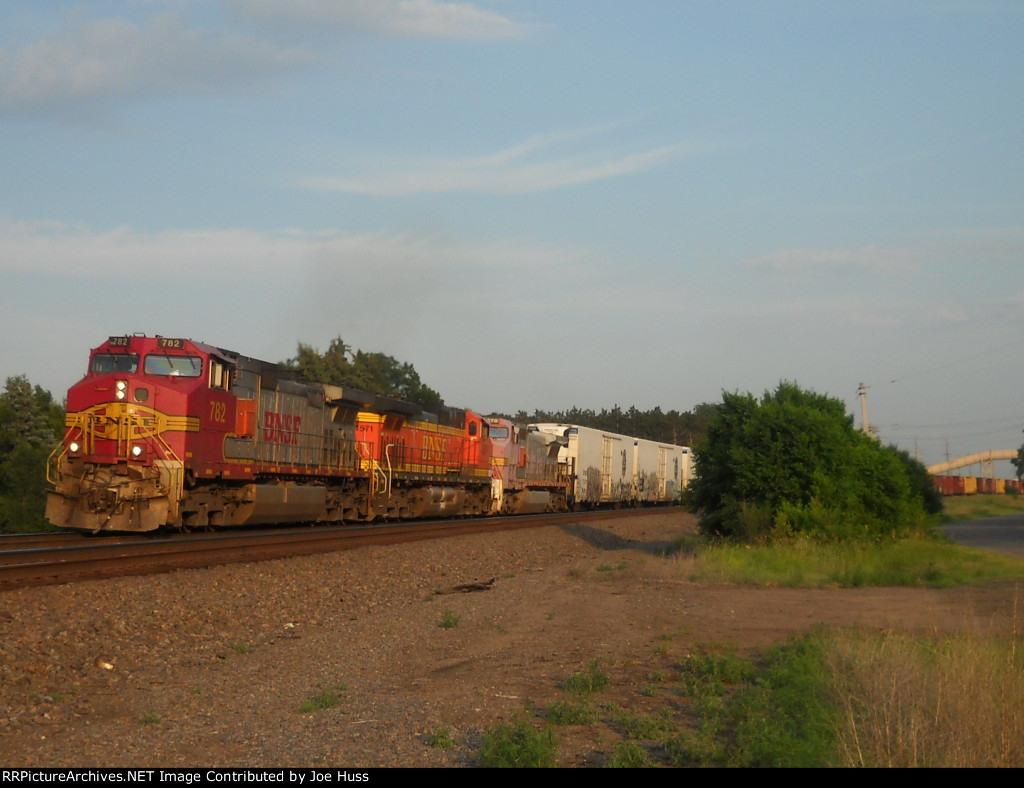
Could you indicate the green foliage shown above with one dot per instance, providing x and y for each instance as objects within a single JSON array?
[
  {"x": 787, "y": 717},
  {"x": 921, "y": 482},
  {"x": 518, "y": 745},
  {"x": 327, "y": 699},
  {"x": 566, "y": 712},
  {"x": 449, "y": 620},
  {"x": 976, "y": 507},
  {"x": 914, "y": 561},
  {"x": 775, "y": 712},
  {"x": 593, "y": 679},
  {"x": 372, "y": 372},
  {"x": 642, "y": 726},
  {"x": 836, "y": 698},
  {"x": 716, "y": 669},
  {"x": 792, "y": 463},
  {"x": 1018, "y": 462},
  {"x": 31, "y": 424},
  {"x": 628, "y": 755},
  {"x": 441, "y": 738}
]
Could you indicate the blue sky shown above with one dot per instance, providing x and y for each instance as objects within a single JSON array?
[{"x": 538, "y": 204}]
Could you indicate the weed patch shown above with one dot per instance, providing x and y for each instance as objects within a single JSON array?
[
  {"x": 327, "y": 699},
  {"x": 588, "y": 681},
  {"x": 441, "y": 738},
  {"x": 640, "y": 726},
  {"x": 518, "y": 745},
  {"x": 628, "y": 755},
  {"x": 568, "y": 713},
  {"x": 449, "y": 620}
]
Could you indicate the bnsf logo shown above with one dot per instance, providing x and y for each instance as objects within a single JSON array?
[
  {"x": 278, "y": 428},
  {"x": 434, "y": 447}
]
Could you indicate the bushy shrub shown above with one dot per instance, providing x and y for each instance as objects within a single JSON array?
[{"x": 792, "y": 463}]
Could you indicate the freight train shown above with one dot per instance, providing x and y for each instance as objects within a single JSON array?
[{"x": 168, "y": 433}]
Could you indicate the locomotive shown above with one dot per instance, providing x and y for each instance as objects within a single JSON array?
[{"x": 168, "y": 433}]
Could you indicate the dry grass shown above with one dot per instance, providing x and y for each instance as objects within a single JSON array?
[{"x": 909, "y": 701}]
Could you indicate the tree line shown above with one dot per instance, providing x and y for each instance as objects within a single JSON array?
[
  {"x": 378, "y": 373},
  {"x": 678, "y": 428},
  {"x": 31, "y": 425}
]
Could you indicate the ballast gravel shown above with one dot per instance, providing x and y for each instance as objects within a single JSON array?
[{"x": 374, "y": 657}]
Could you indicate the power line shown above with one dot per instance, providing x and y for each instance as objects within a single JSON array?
[
  {"x": 958, "y": 361},
  {"x": 1007, "y": 423}
]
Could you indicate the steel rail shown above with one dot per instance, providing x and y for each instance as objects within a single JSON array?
[{"x": 86, "y": 558}]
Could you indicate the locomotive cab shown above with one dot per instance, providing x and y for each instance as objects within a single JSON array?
[
  {"x": 129, "y": 433},
  {"x": 527, "y": 476}
]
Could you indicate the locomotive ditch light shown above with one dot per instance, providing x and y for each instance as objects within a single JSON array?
[
  {"x": 73, "y": 447},
  {"x": 137, "y": 451}
]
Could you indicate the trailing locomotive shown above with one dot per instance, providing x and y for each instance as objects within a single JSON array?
[{"x": 170, "y": 433}]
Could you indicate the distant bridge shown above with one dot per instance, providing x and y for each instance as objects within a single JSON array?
[{"x": 985, "y": 458}]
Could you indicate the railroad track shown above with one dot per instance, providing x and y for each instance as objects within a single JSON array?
[{"x": 50, "y": 559}]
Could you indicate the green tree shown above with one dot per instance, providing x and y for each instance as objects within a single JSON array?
[
  {"x": 792, "y": 462},
  {"x": 31, "y": 424},
  {"x": 1018, "y": 463},
  {"x": 376, "y": 373}
]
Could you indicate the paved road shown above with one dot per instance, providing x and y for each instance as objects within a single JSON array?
[{"x": 1002, "y": 534}]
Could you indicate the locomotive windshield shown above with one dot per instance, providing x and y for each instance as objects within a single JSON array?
[
  {"x": 183, "y": 366},
  {"x": 106, "y": 363},
  {"x": 499, "y": 433}
]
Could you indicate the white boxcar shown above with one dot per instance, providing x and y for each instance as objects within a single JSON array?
[{"x": 607, "y": 468}]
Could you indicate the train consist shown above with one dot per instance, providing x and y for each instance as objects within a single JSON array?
[
  {"x": 166, "y": 433},
  {"x": 976, "y": 485}
]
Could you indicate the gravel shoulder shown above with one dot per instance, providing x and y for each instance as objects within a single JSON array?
[{"x": 210, "y": 667}]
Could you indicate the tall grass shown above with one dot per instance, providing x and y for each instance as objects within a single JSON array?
[
  {"x": 922, "y": 560},
  {"x": 861, "y": 699},
  {"x": 908, "y": 701},
  {"x": 973, "y": 507}
]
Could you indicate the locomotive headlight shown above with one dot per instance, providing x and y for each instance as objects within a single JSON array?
[
  {"x": 136, "y": 451},
  {"x": 73, "y": 447},
  {"x": 122, "y": 386}
]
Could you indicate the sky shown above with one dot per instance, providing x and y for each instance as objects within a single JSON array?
[{"x": 540, "y": 205}]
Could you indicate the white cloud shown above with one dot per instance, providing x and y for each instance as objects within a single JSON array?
[
  {"x": 77, "y": 251},
  {"x": 50, "y": 248},
  {"x": 516, "y": 170},
  {"x": 992, "y": 246},
  {"x": 114, "y": 59},
  {"x": 871, "y": 258},
  {"x": 411, "y": 18},
  {"x": 1010, "y": 307}
]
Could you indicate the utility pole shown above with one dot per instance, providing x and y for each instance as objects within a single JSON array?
[{"x": 863, "y": 392}]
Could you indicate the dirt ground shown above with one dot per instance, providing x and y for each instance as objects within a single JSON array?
[{"x": 213, "y": 667}]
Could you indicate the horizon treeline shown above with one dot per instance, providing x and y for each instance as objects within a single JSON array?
[
  {"x": 675, "y": 427},
  {"x": 378, "y": 373}
]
